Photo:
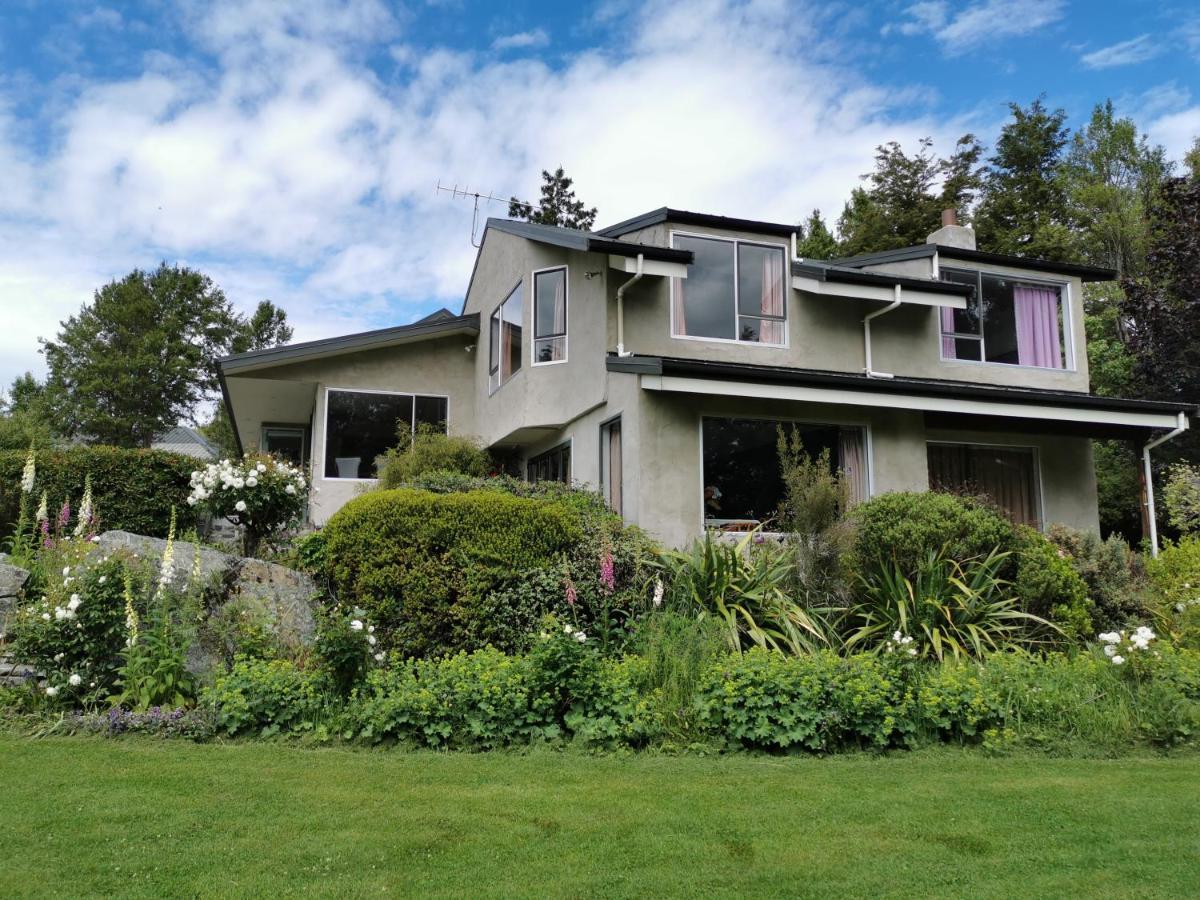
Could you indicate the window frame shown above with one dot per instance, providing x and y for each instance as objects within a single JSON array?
[
  {"x": 569, "y": 446},
  {"x": 864, "y": 424},
  {"x": 534, "y": 337},
  {"x": 737, "y": 315},
  {"x": 498, "y": 310},
  {"x": 1065, "y": 312},
  {"x": 1035, "y": 451},
  {"x": 346, "y": 390}
]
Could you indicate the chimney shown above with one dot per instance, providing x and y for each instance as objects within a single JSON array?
[{"x": 951, "y": 234}]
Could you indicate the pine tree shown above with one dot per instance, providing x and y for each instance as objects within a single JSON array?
[
  {"x": 814, "y": 240},
  {"x": 558, "y": 205}
]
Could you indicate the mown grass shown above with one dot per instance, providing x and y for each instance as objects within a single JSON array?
[{"x": 91, "y": 817}]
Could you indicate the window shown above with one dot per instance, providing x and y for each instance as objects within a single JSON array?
[
  {"x": 611, "y": 476},
  {"x": 743, "y": 486},
  {"x": 285, "y": 442},
  {"x": 1007, "y": 321},
  {"x": 504, "y": 339},
  {"x": 550, "y": 316},
  {"x": 361, "y": 425},
  {"x": 734, "y": 291},
  {"x": 553, "y": 465},
  {"x": 1007, "y": 476}
]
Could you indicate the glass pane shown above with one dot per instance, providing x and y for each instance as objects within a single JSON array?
[
  {"x": 550, "y": 349},
  {"x": 285, "y": 443},
  {"x": 760, "y": 282},
  {"x": 550, "y": 303},
  {"x": 704, "y": 300},
  {"x": 966, "y": 321},
  {"x": 1005, "y": 476},
  {"x": 511, "y": 312},
  {"x": 494, "y": 343},
  {"x": 432, "y": 411},
  {"x": 359, "y": 427},
  {"x": 968, "y": 348},
  {"x": 999, "y": 320}
]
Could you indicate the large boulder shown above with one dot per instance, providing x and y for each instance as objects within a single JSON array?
[
  {"x": 12, "y": 582},
  {"x": 212, "y": 562}
]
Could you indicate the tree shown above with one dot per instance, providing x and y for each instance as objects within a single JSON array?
[
  {"x": 814, "y": 240},
  {"x": 27, "y": 415},
  {"x": 558, "y": 205},
  {"x": 142, "y": 356},
  {"x": 901, "y": 206},
  {"x": 1024, "y": 209}
]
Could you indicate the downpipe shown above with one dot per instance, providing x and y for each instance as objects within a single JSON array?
[
  {"x": 621, "y": 351},
  {"x": 869, "y": 370},
  {"x": 1180, "y": 428}
]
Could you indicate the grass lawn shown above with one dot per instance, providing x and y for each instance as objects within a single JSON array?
[{"x": 146, "y": 818}]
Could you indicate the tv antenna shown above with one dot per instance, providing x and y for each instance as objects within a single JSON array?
[{"x": 465, "y": 193}]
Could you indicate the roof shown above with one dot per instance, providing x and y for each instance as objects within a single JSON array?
[
  {"x": 847, "y": 275},
  {"x": 588, "y": 241},
  {"x": 442, "y": 323},
  {"x": 684, "y": 217},
  {"x": 922, "y": 251},
  {"x": 187, "y": 440},
  {"x": 922, "y": 387}
]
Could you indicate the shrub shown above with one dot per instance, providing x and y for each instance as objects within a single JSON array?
[
  {"x": 955, "y": 703},
  {"x": 268, "y": 697},
  {"x": 263, "y": 495},
  {"x": 1113, "y": 573},
  {"x": 1047, "y": 585},
  {"x": 1175, "y": 575},
  {"x": 1181, "y": 497},
  {"x": 432, "y": 451},
  {"x": 676, "y": 651},
  {"x": 348, "y": 647},
  {"x": 905, "y": 527},
  {"x": 133, "y": 490}
]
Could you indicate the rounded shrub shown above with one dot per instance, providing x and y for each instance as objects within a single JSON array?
[{"x": 1047, "y": 585}]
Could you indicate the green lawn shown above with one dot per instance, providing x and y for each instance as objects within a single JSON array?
[{"x": 134, "y": 817}]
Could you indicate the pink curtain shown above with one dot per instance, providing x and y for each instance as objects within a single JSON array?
[
  {"x": 771, "y": 301},
  {"x": 558, "y": 347},
  {"x": 948, "y": 350},
  {"x": 1036, "y": 311},
  {"x": 680, "y": 319}
]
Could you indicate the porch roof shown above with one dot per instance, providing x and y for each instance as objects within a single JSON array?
[{"x": 945, "y": 403}]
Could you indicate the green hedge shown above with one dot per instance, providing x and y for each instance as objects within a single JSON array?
[
  {"x": 423, "y": 566},
  {"x": 133, "y": 490}
]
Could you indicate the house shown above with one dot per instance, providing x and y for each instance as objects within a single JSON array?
[
  {"x": 654, "y": 359},
  {"x": 188, "y": 441}
]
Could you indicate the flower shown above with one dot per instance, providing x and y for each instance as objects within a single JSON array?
[
  {"x": 43, "y": 510},
  {"x": 290, "y": 489},
  {"x": 356, "y": 625},
  {"x": 73, "y": 603},
  {"x": 102, "y": 579},
  {"x": 567, "y": 629},
  {"x": 1118, "y": 660},
  {"x": 240, "y": 506},
  {"x": 379, "y": 657},
  {"x": 58, "y": 657},
  {"x": 658, "y": 592},
  {"x": 29, "y": 474},
  {"x": 572, "y": 596},
  {"x": 580, "y": 636},
  {"x": 1110, "y": 650},
  {"x": 371, "y": 639},
  {"x": 51, "y": 691},
  {"x": 608, "y": 579},
  {"x": 1110, "y": 637},
  {"x": 75, "y": 680},
  {"x": 251, "y": 481},
  {"x": 46, "y": 616}
]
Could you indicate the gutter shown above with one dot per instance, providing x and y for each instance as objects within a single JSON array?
[{"x": 1179, "y": 429}]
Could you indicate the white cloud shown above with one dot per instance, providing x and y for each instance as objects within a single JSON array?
[
  {"x": 290, "y": 170},
  {"x": 1126, "y": 53},
  {"x": 989, "y": 20},
  {"x": 522, "y": 40},
  {"x": 1176, "y": 131}
]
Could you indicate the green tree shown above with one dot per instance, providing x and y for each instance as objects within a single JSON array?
[
  {"x": 558, "y": 205},
  {"x": 141, "y": 356},
  {"x": 28, "y": 415},
  {"x": 814, "y": 240},
  {"x": 1024, "y": 207}
]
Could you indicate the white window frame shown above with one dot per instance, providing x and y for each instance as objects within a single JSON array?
[
  {"x": 350, "y": 390},
  {"x": 868, "y": 441},
  {"x": 1064, "y": 305},
  {"x": 983, "y": 445},
  {"x": 787, "y": 275},
  {"x": 533, "y": 338},
  {"x": 499, "y": 308}
]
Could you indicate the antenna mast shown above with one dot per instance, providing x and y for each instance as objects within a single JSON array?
[{"x": 465, "y": 193}]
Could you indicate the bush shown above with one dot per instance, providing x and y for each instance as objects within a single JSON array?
[
  {"x": 133, "y": 490},
  {"x": 268, "y": 697},
  {"x": 1181, "y": 497},
  {"x": 1113, "y": 573},
  {"x": 906, "y": 527},
  {"x": 1047, "y": 585},
  {"x": 430, "y": 451},
  {"x": 1175, "y": 575},
  {"x": 263, "y": 495}
]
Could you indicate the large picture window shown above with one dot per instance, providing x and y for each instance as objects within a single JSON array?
[
  {"x": 360, "y": 426},
  {"x": 553, "y": 465},
  {"x": 743, "y": 485},
  {"x": 734, "y": 291},
  {"x": 1007, "y": 476},
  {"x": 504, "y": 340},
  {"x": 550, "y": 316},
  {"x": 1007, "y": 321}
]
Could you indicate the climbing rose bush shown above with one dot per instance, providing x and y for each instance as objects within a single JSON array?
[{"x": 263, "y": 495}]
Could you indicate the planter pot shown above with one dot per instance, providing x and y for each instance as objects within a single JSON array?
[{"x": 347, "y": 466}]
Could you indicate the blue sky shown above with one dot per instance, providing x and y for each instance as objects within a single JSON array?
[{"x": 290, "y": 149}]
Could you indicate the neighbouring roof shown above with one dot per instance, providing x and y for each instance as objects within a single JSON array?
[
  {"x": 588, "y": 241},
  {"x": 182, "y": 439},
  {"x": 684, "y": 217},
  {"x": 442, "y": 323},
  {"x": 923, "y": 251}
]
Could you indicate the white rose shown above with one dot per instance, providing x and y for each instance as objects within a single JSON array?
[
  {"x": 379, "y": 656},
  {"x": 75, "y": 680},
  {"x": 251, "y": 481},
  {"x": 356, "y": 625},
  {"x": 1118, "y": 660},
  {"x": 371, "y": 639},
  {"x": 51, "y": 692},
  {"x": 240, "y": 506},
  {"x": 261, "y": 468},
  {"x": 290, "y": 489}
]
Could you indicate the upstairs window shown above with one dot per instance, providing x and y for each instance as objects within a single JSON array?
[
  {"x": 360, "y": 426},
  {"x": 1007, "y": 321},
  {"x": 734, "y": 291},
  {"x": 504, "y": 339},
  {"x": 550, "y": 316}
]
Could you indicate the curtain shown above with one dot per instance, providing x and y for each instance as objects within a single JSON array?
[
  {"x": 558, "y": 346},
  {"x": 1006, "y": 477},
  {"x": 853, "y": 454},
  {"x": 680, "y": 319},
  {"x": 614, "y": 467},
  {"x": 771, "y": 302},
  {"x": 506, "y": 368},
  {"x": 948, "y": 348},
  {"x": 1036, "y": 310}
]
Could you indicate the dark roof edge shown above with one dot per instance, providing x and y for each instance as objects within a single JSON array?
[
  {"x": 841, "y": 275},
  {"x": 653, "y": 365},
  {"x": 228, "y": 401},
  {"x": 684, "y": 217},
  {"x": 362, "y": 340},
  {"x": 585, "y": 241},
  {"x": 921, "y": 251}
]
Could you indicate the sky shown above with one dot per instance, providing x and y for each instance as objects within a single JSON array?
[{"x": 291, "y": 149}]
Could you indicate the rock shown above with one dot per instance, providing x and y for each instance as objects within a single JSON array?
[
  {"x": 285, "y": 595},
  {"x": 12, "y": 578},
  {"x": 213, "y": 563}
]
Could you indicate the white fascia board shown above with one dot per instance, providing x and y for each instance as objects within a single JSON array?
[
  {"x": 649, "y": 266},
  {"x": 803, "y": 394},
  {"x": 878, "y": 292}
]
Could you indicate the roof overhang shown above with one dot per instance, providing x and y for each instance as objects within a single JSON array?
[
  {"x": 946, "y": 252},
  {"x": 649, "y": 266}
]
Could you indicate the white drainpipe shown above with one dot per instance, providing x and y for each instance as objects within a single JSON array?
[
  {"x": 621, "y": 308},
  {"x": 871, "y": 373},
  {"x": 1180, "y": 428}
]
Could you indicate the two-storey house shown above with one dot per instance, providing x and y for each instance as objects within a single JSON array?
[{"x": 655, "y": 359}]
